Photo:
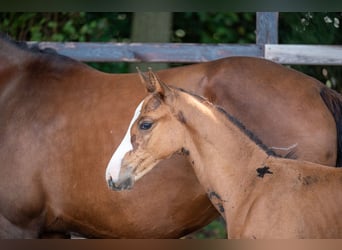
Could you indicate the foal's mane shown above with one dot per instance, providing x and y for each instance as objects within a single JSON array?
[{"x": 239, "y": 124}]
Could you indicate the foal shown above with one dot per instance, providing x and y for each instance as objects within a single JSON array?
[{"x": 258, "y": 194}]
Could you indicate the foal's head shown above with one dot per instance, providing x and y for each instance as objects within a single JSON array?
[{"x": 156, "y": 132}]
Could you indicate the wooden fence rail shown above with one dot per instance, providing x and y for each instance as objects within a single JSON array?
[
  {"x": 266, "y": 46},
  {"x": 151, "y": 52},
  {"x": 186, "y": 53}
]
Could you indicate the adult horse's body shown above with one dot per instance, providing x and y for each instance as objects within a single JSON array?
[
  {"x": 259, "y": 194},
  {"x": 61, "y": 121}
]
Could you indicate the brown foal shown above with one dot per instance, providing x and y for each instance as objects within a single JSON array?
[{"x": 259, "y": 194}]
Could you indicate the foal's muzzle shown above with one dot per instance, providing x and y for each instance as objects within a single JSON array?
[{"x": 125, "y": 184}]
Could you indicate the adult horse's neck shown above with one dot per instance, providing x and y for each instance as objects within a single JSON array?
[{"x": 224, "y": 158}]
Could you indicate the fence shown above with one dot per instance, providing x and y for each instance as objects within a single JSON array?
[{"x": 266, "y": 46}]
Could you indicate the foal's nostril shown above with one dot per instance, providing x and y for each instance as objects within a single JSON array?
[
  {"x": 111, "y": 183},
  {"x": 126, "y": 184}
]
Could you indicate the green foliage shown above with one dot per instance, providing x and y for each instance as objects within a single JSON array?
[
  {"x": 214, "y": 230},
  {"x": 314, "y": 28},
  {"x": 67, "y": 26},
  {"x": 310, "y": 28},
  {"x": 72, "y": 27},
  {"x": 214, "y": 27}
]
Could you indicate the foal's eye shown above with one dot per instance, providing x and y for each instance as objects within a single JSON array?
[{"x": 145, "y": 125}]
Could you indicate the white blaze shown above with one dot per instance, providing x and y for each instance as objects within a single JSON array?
[{"x": 114, "y": 165}]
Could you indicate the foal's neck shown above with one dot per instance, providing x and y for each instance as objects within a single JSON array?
[{"x": 224, "y": 158}]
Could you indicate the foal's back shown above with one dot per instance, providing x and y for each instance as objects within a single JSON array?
[{"x": 298, "y": 200}]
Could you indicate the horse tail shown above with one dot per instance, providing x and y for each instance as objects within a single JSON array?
[{"x": 333, "y": 101}]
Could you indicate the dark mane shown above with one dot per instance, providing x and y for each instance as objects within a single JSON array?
[
  {"x": 34, "y": 48},
  {"x": 198, "y": 97},
  {"x": 247, "y": 132},
  {"x": 240, "y": 125}
]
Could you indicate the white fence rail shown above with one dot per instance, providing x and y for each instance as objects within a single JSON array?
[{"x": 304, "y": 54}]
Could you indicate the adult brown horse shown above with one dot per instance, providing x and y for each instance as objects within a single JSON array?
[
  {"x": 61, "y": 121},
  {"x": 260, "y": 195}
]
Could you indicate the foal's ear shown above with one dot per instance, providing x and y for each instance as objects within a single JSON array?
[
  {"x": 153, "y": 84},
  {"x": 146, "y": 81},
  {"x": 159, "y": 87}
]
